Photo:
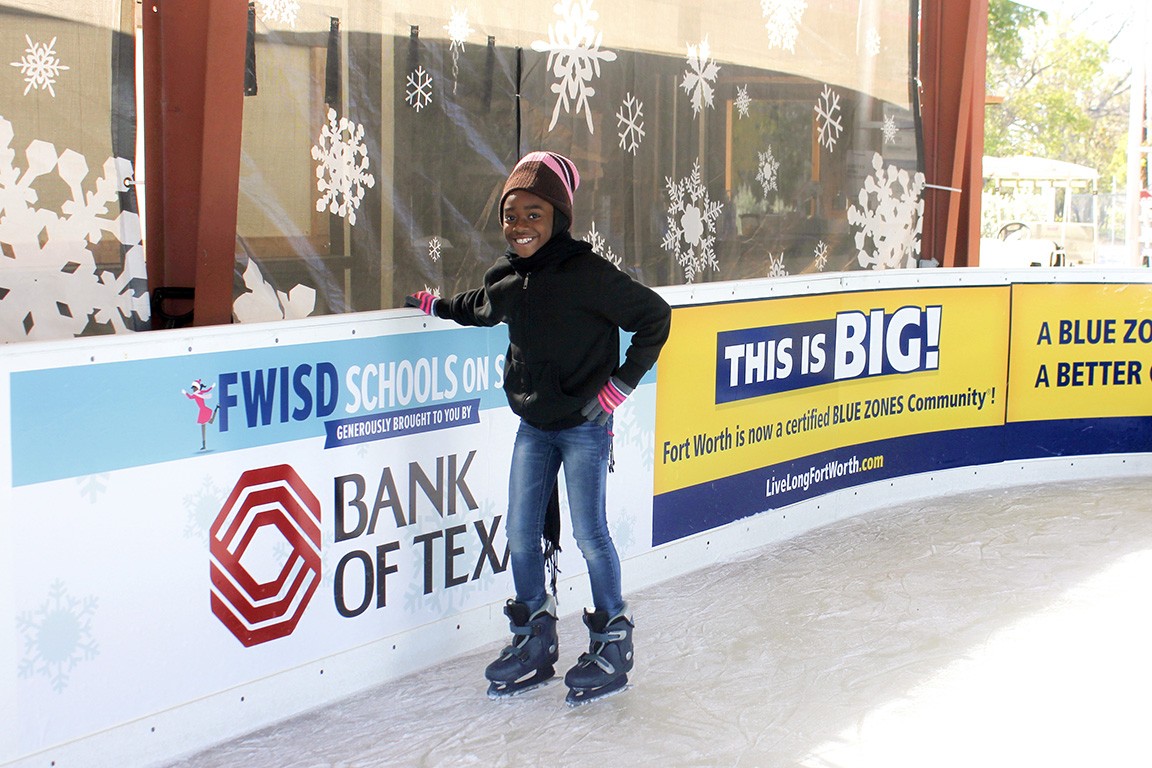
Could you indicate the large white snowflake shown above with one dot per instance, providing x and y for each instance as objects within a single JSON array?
[
  {"x": 700, "y": 76},
  {"x": 766, "y": 173},
  {"x": 601, "y": 247},
  {"x": 51, "y": 285},
  {"x": 630, "y": 117},
  {"x": 57, "y": 636},
  {"x": 890, "y": 217},
  {"x": 280, "y": 11},
  {"x": 574, "y": 57},
  {"x": 692, "y": 219},
  {"x": 782, "y": 20},
  {"x": 743, "y": 101},
  {"x": 342, "y": 174},
  {"x": 39, "y": 66},
  {"x": 872, "y": 42},
  {"x": 828, "y": 117},
  {"x": 419, "y": 90},
  {"x": 458, "y": 32},
  {"x": 263, "y": 303}
]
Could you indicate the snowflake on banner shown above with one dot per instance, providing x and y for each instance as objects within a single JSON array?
[
  {"x": 574, "y": 57},
  {"x": 342, "y": 173},
  {"x": 57, "y": 636},
  {"x": 419, "y": 90},
  {"x": 889, "y": 129},
  {"x": 782, "y": 20},
  {"x": 776, "y": 266},
  {"x": 891, "y": 215},
  {"x": 280, "y": 11},
  {"x": 434, "y": 290},
  {"x": 93, "y": 487},
  {"x": 692, "y": 224},
  {"x": 458, "y": 32},
  {"x": 701, "y": 74},
  {"x": 872, "y": 42},
  {"x": 50, "y": 284},
  {"x": 820, "y": 256},
  {"x": 601, "y": 247},
  {"x": 201, "y": 508},
  {"x": 434, "y": 247},
  {"x": 828, "y": 117},
  {"x": 766, "y": 174},
  {"x": 39, "y": 66},
  {"x": 262, "y": 303},
  {"x": 742, "y": 100},
  {"x": 630, "y": 117}
]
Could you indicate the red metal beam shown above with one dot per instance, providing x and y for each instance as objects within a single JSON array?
[
  {"x": 954, "y": 41},
  {"x": 193, "y": 106}
]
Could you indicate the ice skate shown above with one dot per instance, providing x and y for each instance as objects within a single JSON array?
[
  {"x": 603, "y": 670},
  {"x": 528, "y": 661}
]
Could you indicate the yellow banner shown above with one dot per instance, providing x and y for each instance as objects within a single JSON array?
[
  {"x": 1080, "y": 351},
  {"x": 751, "y": 384}
]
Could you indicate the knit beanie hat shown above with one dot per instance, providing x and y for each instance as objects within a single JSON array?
[{"x": 547, "y": 175}]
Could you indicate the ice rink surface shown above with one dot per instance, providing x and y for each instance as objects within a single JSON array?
[{"x": 995, "y": 628}]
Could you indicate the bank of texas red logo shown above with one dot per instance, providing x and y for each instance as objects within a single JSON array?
[{"x": 255, "y": 604}]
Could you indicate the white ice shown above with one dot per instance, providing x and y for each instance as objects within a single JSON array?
[{"x": 998, "y": 628}]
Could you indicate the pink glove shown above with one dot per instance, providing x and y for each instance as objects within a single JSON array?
[
  {"x": 607, "y": 400},
  {"x": 424, "y": 300}
]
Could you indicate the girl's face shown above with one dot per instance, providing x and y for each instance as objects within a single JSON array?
[{"x": 527, "y": 222}]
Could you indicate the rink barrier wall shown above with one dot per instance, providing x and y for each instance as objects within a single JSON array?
[{"x": 125, "y": 574}]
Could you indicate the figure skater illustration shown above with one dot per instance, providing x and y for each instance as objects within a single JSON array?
[{"x": 200, "y": 393}]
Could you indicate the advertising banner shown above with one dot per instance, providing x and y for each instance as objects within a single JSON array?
[
  {"x": 1080, "y": 351},
  {"x": 186, "y": 524},
  {"x": 762, "y": 403}
]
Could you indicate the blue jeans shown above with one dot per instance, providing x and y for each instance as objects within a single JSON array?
[{"x": 536, "y": 460}]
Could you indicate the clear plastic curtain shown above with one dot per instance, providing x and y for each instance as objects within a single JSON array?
[
  {"x": 71, "y": 253},
  {"x": 723, "y": 140}
]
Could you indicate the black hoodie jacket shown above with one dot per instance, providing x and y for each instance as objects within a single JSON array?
[{"x": 564, "y": 307}]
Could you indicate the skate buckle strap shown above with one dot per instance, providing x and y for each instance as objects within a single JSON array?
[{"x": 598, "y": 660}]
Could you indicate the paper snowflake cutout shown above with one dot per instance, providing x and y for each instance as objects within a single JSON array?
[
  {"x": 872, "y": 42},
  {"x": 574, "y": 57},
  {"x": 419, "y": 89},
  {"x": 889, "y": 220},
  {"x": 742, "y": 100},
  {"x": 889, "y": 129},
  {"x": 434, "y": 290},
  {"x": 782, "y": 20},
  {"x": 766, "y": 174},
  {"x": 630, "y": 117},
  {"x": 57, "y": 636},
  {"x": 700, "y": 76},
  {"x": 692, "y": 219},
  {"x": 458, "y": 32},
  {"x": 596, "y": 240},
  {"x": 434, "y": 246},
  {"x": 776, "y": 266},
  {"x": 280, "y": 11},
  {"x": 39, "y": 66},
  {"x": 828, "y": 117},
  {"x": 262, "y": 303},
  {"x": 820, "y": 256},
  {"x": 342, "y": 173},
  {"x": 50, "y": 284}
]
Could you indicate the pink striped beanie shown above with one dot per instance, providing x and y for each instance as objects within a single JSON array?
[{"x": 548, "y": 175}]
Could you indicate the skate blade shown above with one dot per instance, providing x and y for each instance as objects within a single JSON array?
[
  {"x": 498, "y": 691},
  {"x": 578, "y": 697}
]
